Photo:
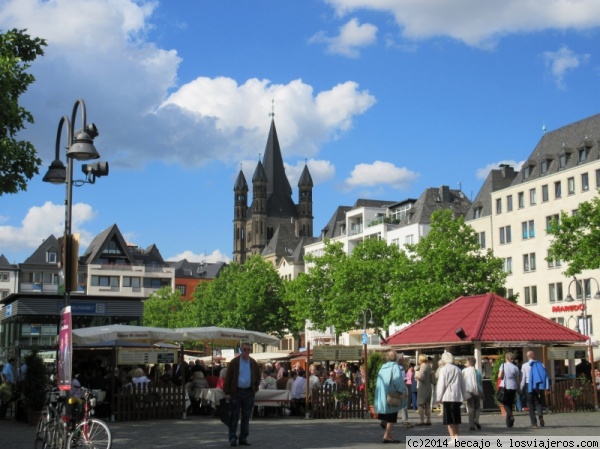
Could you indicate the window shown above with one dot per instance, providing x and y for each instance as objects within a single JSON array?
[
  {"x": 521, "y": 196},
  {"x": 555, "y": 292},
  {"x": 562, "y": 160},
  {"x": 4, "y": 276},
  {"x": 481, "y": 239},
  {"x": 4, "y": 294},
  {"x": 549, "y": 219},
  {"x": 50, "y": 278},
  {"x": 529, "y": 262},
  {"x": 543, "y": 166},
  {"x": 587, "y": 287},
  {"x": 557, "y": 189},
  {"x": 571, "y": 186},
  {"x": 51, "y": 257},
  {"x": 585, "y": 325},
  {"x": 532, "y": 197},
  {"x": 105, "y": 281},
  {"x": 477, "y": 212},
  {"x": 409, "y": 239},
  {"x": 509, "y": 203},
  {"x": 133, "y": 282},
  {"x": 598, "y": 178},
  {"x": 498, "y": 206},
  {"x": 181, "y": 289},
  {"x": 505, "y": 235},
  {"x": 545, "y": 194},
  {"x": 396, "y": 242},
  {"x": 528, "y": 229},
  {"x": 582, "y": 155},
  {"x": 509, "y": 292},
  {"x": 531, "y": 295},
  {"x": 507, "y": 265},
  {"x": 585, "y": 182},
  {"x": 526, "y": 171}
]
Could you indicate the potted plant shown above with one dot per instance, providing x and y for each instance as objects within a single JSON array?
[
  {"x": 34, "y": 386},
  {"x": 374, "y": 362}
]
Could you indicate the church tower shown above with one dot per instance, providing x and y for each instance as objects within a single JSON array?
[
  {"x": 305, "y": 216},
  {"x": 273, "y": 224},
  {"x": 240, "y": 209},
  {"x": 257, "y": 227}
]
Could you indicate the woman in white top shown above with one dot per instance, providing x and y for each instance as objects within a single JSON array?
[
  {"x": 509, "y": 375},
  {"x": 450, "y": 392}
]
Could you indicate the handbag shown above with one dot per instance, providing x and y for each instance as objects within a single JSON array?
[
  {"x": 225, "y": 411},
  {"x": 393, "y": 398},
  {"x": 501, "y": 394}
]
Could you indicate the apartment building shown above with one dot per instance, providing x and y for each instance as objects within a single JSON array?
[
  {"x": 396, "y": 222},
  {"x": 513, "y": 210},
  {"x": 9, "y": 277}
]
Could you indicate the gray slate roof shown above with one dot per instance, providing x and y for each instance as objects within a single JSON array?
[
  {"x": 497, "y": 179},
  {"x": 39, "y": 255}
]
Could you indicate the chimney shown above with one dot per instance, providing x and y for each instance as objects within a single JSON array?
[
  {"x": 445, "y": 194},
  {"x": 507, "y": 171}
]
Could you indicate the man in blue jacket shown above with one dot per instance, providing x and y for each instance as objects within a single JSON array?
[{"x": 534, "y": 382}]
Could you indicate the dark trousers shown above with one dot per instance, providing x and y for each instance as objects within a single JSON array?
[
  {"x": 243, "y": 403},
  {"x": 509, "y": 401},
  {"x": 535, "y": 402}
]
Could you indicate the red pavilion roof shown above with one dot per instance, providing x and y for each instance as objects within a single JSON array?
[{"x": 485, "y": 318}]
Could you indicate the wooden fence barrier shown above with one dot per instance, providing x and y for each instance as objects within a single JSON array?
[
  {"x": 149, "y": 402},
  {"x": 581, "y": 400},
  {"x": 327, "y": 403}
]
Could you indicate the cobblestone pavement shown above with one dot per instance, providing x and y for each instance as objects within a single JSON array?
[{"x": 299, "y": 433}]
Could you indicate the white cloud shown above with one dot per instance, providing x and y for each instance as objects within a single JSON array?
[
  {"x": 379, "y": 174},
  {"x": 475, "y": 22},
  {"x": 482, "y": 173},
  {"x": 352, "y": 36},
  {"x": 215, "y": 256},
  {"x": 44, "y": 221},
  {"x": 207, "y": 119},
  {"x": 561, "y": 61}
]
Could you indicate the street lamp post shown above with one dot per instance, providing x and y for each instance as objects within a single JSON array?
[
  {"x": 586, "y": 325},
  {"x": 79, "y": 147},
  {"x": 365, "y": 341}
]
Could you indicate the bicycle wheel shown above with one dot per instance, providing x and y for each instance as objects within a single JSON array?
[{"x": 91, "y": 434}]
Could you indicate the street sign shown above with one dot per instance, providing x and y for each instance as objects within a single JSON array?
[{"x": 337, "y": 353}]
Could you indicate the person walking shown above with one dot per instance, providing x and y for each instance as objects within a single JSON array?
[
  {"x": 534, "y": 382},
  {"x": 509, "y": 379},
  {"x": 451, "y": 394},
  {"x": 389, "y": 378},
  {"x": 423, "y": 375},
  {"x": 241, "y": 383},
  {"x": 474, "y": 390},
  {"x": 8, "y": 377}
]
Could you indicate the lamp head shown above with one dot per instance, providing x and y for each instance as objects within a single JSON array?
[
  {"x": 569, "y": 298},
  {"x": 597, "y": 295},
  {"x": 357, "y": 322},
  {"x": 98, "y": 169},
  {"x": 56, "y": 173},
  {"x": 460, "y": 333},
  {"x": 371, "y": 321},
  {"x": 83, "y": 144}
]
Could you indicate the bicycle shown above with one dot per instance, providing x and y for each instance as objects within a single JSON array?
[
  {"x": 48, "y": 434},
  {"x": 69, "y": 424},
  {"x": 87, "y": 432}
]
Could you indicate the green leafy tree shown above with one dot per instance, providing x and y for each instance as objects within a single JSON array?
[
  {"x": 577, "y": 238},
  {"x": 18, "y": 161},
  {"x": 445, "y": 264},
  {"x": 165, "y": 308},
  {"x": 248, "y": 296},
  {"x": 312, "y": 295}
]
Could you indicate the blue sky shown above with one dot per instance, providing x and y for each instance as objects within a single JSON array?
[{"x": 383, "y": 98}]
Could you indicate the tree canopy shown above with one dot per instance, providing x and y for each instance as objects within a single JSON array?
[
  {"x": 18, "y": 160},
  {"x": 577, "y": 238}
]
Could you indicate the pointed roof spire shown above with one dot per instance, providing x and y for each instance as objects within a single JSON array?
[
  {"x": 273, "y": 164},
  {"x": 259, "y": 173},
  {"x": 305, "y": 178},
  {"x": 240, "y": 182}
]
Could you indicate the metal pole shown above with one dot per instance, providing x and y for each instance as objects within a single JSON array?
[{"x": 67, "y": 238}]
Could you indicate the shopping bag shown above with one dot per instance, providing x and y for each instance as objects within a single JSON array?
[{"x": 225, "y": 411}]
